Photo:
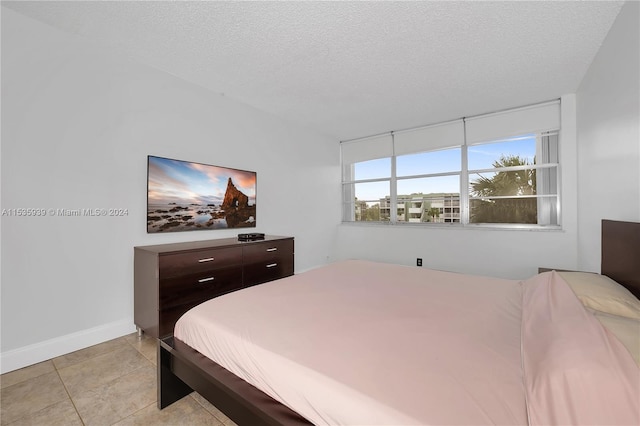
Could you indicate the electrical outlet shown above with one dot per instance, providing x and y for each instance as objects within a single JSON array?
[{"x": 419, "y": 261}]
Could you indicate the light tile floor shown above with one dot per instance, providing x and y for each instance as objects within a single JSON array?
[{"x": 113, "y": 383}]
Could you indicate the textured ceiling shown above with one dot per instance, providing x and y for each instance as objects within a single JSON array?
[{"x": 352, "y": 69}]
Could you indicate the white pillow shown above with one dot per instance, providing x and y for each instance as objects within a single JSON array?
[{"x": 602, "y": 294}]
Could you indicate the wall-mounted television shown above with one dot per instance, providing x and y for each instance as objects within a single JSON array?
[{"x": 189, "y": 196}]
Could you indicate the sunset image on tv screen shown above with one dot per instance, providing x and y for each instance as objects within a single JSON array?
[{"x": 187, "y": 196}]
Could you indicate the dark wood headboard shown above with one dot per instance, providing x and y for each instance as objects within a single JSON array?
[{"x": 621, "y": 253}]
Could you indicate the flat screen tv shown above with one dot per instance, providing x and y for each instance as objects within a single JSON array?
[{"x": 188, "y": 196}]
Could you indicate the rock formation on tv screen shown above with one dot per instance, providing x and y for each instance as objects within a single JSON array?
[
  {"x": 236, "y": 207},
  {"x": 233, "y": 198}
]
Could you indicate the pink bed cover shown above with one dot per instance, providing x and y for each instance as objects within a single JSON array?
[{"x": 364, "y": 343}]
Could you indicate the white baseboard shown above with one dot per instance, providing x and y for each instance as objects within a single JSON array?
[{"x": 38, "y": 352}]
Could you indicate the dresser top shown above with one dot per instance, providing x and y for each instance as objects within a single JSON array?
[{"x": 197, "y": 245}]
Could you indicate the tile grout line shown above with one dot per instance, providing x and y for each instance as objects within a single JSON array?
[
  {"x": 212, "y": 414},
  {"x": 65, "y": 385},
  {"x": 68, "y": 394},
  {"x": 143, "y": 355},
  {"x": 57, "y": 369},
  {"x": 138, "y": 344},
  {"x": 133, "y": 414}
]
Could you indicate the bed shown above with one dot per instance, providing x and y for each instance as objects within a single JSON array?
[{"x": 473, "y": 349}]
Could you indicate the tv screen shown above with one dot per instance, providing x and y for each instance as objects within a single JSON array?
[{"x": 187, "y": 196}]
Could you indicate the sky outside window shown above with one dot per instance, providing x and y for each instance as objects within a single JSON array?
[
  {"x": 429, "y": 185},
  {"x": 372, "y": 191},
  {"x": 446, "y": 160},
  {"x": 480, "y": 156},
  {"x": 484, "y": 155},
  {"x": 373, "y": 169}
]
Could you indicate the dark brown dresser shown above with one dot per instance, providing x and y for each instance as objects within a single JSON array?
[{"x": 170, "y": 279}]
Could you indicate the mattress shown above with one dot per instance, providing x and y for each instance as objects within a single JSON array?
[{"x": 361, "y": 342}]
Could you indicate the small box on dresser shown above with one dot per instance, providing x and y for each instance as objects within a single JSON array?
[{"x": 170, "y": 279}]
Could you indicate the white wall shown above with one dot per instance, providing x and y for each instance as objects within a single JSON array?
[
  {"x": 608, "y": 105},
  {"x": 78, "y": 122}
]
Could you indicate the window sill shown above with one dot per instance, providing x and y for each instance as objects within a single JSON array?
[{"x": 458, "y": 226}]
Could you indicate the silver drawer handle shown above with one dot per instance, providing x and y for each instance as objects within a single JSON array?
[
  {"x": 204, "y": 280},
  {"x": 273, "y": 249},
  {"x": 208, "y": 259},
  {"x": 271, "y": 265}
]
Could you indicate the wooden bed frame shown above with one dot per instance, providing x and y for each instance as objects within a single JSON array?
[
  {"x": 182, "y": 369},
  {"x": 621, "y": 253}
]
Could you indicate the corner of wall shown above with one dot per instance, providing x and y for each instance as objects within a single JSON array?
[{"x": 608, "y": 131}]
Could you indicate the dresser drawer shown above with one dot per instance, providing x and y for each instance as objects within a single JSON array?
[
  {"x": 261, "y": 273},
  {"x": 192, "y": 262},
  {"x": 196, "y": 288},
  {"x": 267, "y": 251},
  {"x": 268, "y": 261}
]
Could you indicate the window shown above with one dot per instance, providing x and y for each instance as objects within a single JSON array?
[
  {"x": 425, "y": 181},
  {"x": 371, "y": 185},
  {"x": 494, "y": 169},
  {"x": 508, "y": 184}
]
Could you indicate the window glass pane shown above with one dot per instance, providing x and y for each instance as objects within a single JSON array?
[
  {"x": 348, "y": 193},
  {"x": 372, "y": 201},
  {"x": 504, "y": 210},
  {"x": 547, "y": 181},
  {"x": 514, "y": 151},
  {"x": 548, "y": 211},
  {"x": 502, "y": 183},
  {"x": 438, "y": 208},
  {"x": 372, "y": 191},
  {"x": 446, "y": 160},
  {"x": 539, "y": 209},
  {"x": 373, "y": 169},
  {"x": 434, "y": 199},
  {"x": 428, "y": 185},
  {"x": 370, "y": 211}
]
